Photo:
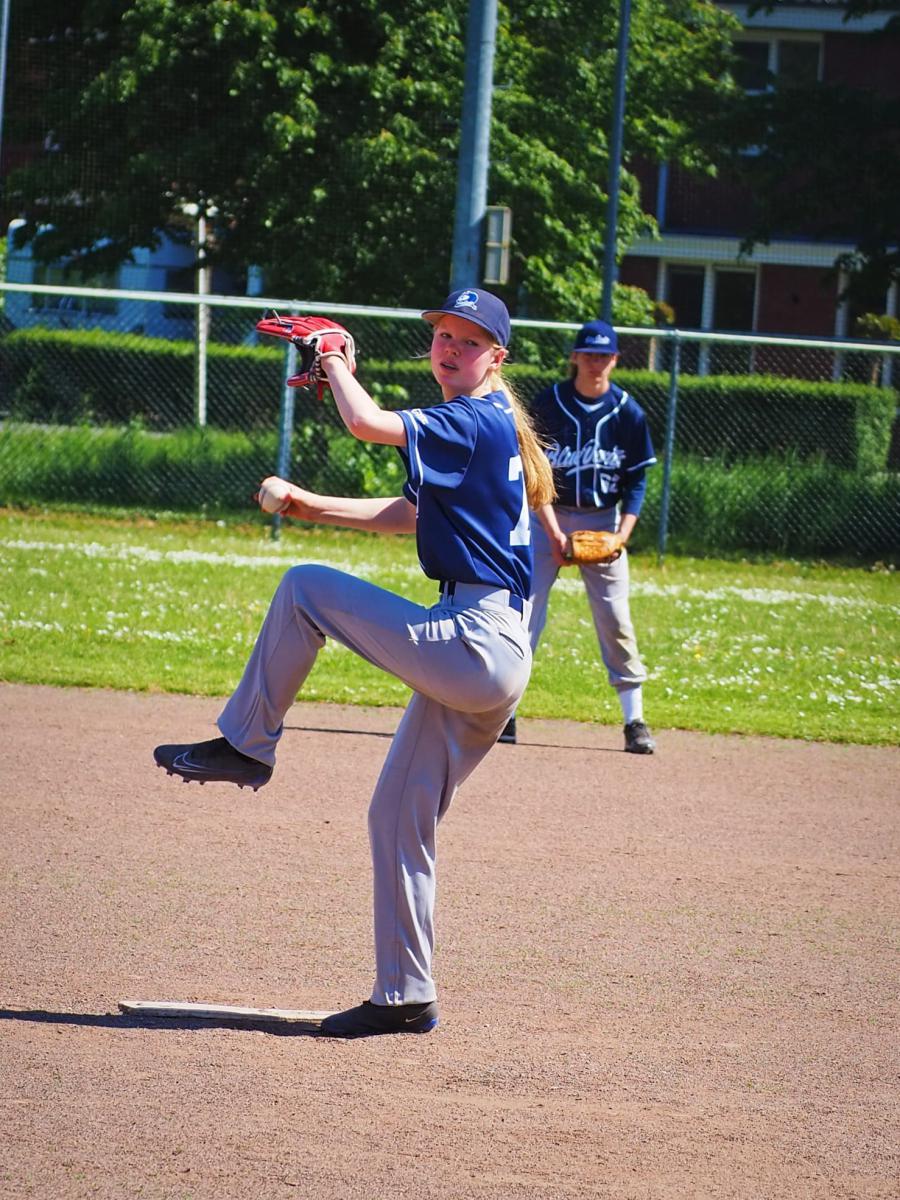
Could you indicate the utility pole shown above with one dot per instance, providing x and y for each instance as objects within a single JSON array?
[
  {"x": 610, "y": 270},
  {"x": 4, "y": 40},
  {"x": 474, "y": 146}
]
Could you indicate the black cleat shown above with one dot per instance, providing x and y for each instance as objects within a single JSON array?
[
  {"x": 638, "y": 739},
  {"x": 509, "y": 732},
  {"x": 368, "y": 1019},
  {"x": 215, "y": 761}
]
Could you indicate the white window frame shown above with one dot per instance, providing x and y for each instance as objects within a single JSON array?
[
  {"x": 772, "y": 38},
  {"x": 708, "y": 301}
]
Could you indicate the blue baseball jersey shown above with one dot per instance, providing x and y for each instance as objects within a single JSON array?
[
  {"x": 464, "y": 475},
  {"x": 598, "y": 448}
]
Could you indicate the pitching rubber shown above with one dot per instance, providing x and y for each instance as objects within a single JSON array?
[{"x": 223, "y": 1012}]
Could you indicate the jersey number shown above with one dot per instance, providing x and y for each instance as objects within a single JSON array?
[{"x": 520, "y": 534}]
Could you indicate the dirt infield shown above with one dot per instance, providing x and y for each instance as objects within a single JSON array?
[{"x": 663, "y": 977}]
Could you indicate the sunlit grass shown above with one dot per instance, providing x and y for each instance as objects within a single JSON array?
[{"x": 784, "y": 648}]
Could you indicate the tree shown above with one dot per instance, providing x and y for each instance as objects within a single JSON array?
[
  {"x": 324, "y": 137},
  {"x": 553, "y": 114}
]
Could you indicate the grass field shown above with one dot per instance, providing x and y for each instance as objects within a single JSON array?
[{"x": 782, "y": 648}]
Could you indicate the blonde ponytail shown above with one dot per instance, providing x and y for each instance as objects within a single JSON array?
[{"x": 539, "y": 485}]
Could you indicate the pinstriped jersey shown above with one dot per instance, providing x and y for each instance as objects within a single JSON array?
[
  {"x": 598, "y": 448},
  {"x": 464, "y": 475}
]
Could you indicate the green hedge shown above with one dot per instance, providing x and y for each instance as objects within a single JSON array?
[
  {"x": 188, "y": 470},
  {"x": 739, "y": 417},
  {"x": 771, "y": 506},
  {"x": 764, "y": 506},
  {"x": 65, "y": 377},
  {"x": 72, "y": 376}
]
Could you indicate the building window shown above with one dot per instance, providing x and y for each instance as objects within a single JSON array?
[
  {"x": 751, "y": 71},
  {"x": 684, "y": 289},
  {"x": 734, "y": 311},
  {"x": 720, "y": 299},
  {"x": 768, "y": 62},
  {"x": 735, "y": 301},
  {"x": 684, "y": 292},
  {"x": 798, "y": 63}
]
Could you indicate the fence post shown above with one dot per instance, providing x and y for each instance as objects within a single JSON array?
[
  {"x": 285, "y": 428},
  {"x": 203, "y": 316},
  {"x": 670, "y": 444}
]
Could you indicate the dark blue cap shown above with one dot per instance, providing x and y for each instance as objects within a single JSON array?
[
  {"x": 482, "y": 308},
  {"x": 596, "y": 337}
]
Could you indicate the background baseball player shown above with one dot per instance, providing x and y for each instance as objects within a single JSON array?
[
  {"x": 473, "y": 468},
  {"x": 599, "y": 446}
]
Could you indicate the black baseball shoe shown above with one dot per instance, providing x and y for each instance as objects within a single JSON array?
[
  {"x": 368, "y": 1019},
  {"x": 638, "y": 739},
  {"x": 215, "y": 761},
  {"x": 509, "y": 732}
]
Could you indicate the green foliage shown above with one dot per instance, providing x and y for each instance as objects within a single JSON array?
[
  {"x": 552, "y": 113},
  {"x": 324, "y": 138},
  {"x": 879, "y": 326},
  {"x": 64, "y": 377},
  {"x": 735, "y": 417},
  {"x": 632, "y": 306},
  {"x": 768, "y": 505},
  {"x": 777, "y": 506},
  {"x": 190, "y": 469}
]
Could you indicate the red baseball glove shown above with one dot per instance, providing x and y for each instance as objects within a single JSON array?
[{"x": 313, "y": 337}]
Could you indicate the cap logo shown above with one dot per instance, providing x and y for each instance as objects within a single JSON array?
[
  {"x": 597, "y": 339},
  {"x": 467, "y": 300}
]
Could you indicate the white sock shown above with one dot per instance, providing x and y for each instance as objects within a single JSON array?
[{"x": 632, "y": 701}]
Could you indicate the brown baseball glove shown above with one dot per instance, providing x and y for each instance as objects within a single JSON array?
[{"x": 595, "y": 546}]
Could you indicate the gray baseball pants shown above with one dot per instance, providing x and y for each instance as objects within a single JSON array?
[
  {"x": 607, "y": 588},
  {"x": 467, "y": 659}
]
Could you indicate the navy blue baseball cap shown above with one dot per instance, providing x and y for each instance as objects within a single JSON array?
[
  {"x": 480, "y": 307},
  {"x": 596, "y": 337}
]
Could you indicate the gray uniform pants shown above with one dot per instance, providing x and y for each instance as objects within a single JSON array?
[
  {"x": 467, "y": 660},
  {"x": 607, "y": 590}
]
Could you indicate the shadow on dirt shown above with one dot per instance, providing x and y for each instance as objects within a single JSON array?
[{"x": 131, "y": 1021}]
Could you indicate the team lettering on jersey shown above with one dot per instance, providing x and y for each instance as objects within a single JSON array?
[{"x": 570, "y": 460}]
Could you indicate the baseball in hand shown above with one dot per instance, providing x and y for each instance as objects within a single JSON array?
[{"x": 274, "y": 495}]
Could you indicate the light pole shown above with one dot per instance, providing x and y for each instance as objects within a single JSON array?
[
  {"x": 610, "y": 270},
  {"x": 4, "y": 39},
  {"x": 474, "y": 145}
]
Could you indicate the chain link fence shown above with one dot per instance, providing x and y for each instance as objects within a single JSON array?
[{"x": 171, "y": 402}]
